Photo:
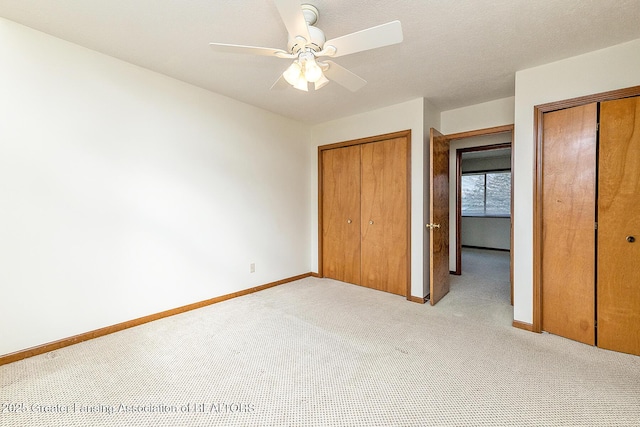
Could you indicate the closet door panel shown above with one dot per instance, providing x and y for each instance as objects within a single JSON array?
[
  {"x": 618, "y": 292},
  {"x": 341, "y": 214},
  {"x": 568, "y": 222},
  {"x": 384, "y": 221}
]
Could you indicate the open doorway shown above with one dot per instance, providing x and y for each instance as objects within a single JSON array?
[
  {"x": 484, "y": 221},
  {"x": 481, "y": 209}
]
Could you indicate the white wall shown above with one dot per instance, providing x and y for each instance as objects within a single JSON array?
[
  {"x": 499, "y": 112},
  {"x": 408, "y": 115},
  {"x": 125, "y": 193},
  {"x": 608, "y": 69},
  {"x": 486, "y": 232},
  {"x": 482, "y": 164}
]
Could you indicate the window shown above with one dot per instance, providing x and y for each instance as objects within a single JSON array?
[{"x": 486, "y": 193}]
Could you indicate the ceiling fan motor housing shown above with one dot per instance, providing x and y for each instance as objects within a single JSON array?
[{"x": 297, "y": 43}]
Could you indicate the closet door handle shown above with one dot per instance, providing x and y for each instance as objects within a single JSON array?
[
  {"x": 371, "y": 222},
  {"x": 631, "y": 239},
  {"x": 348, "y": 221}
]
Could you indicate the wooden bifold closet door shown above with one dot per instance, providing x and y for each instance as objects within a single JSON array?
[
  {"x": 568, "y": 228},
  {"x": 384, "y": 216},
  {"x": 341, "y": 214},
  {"x": 591, "y": 223},
  {"x": 618, "y": 301},
  {"x": 365, "y": 214}
]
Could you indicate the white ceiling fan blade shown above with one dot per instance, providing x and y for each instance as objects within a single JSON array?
[
  {"x": 254, "y": 50},
  {"x": 280, "y": 84},
  {"x": 343, "y": 77},
  {"x": 371, "y": 38},
  {"x": 293, "y": 18}
]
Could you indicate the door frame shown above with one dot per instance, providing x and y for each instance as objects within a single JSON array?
[
  {"x": 496, "y": 130},
  {"x": 538, "y": 117},
  {"x": 377, "y": 138}
]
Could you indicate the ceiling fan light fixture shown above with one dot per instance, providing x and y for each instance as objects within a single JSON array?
[
  {"x": 293, "y": 74},
  {"x": 302, "y": 84},
  {"x": 312, "y": 71},
  {"x": 310, "y": 68},
  {"x": 303, "y": 71}
]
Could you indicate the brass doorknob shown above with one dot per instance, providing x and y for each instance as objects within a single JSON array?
[
  {"x": 371, "y": 222},
  {"x": 631, "y": 239},
  {"x": 348, "y": 221},
  {"x": 432, "y": 226}
]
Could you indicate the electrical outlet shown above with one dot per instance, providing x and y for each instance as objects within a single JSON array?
[{"x": 252, "y": 267}]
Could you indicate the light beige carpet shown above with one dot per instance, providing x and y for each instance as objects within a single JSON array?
[{"x": 322, "y": 353}]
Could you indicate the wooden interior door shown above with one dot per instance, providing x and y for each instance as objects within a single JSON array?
[
  {"x": 619, "y": 226},
  {"x": 438, "y": 217},
  {"x": 384, "y": 224},
  {"x": 341, "y": 214},
  {"x": 568, "y": 222}
]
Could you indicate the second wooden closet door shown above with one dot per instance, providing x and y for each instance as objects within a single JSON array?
[
  {"x": 618, "y": 279},
  {"x": 384, "y": 216}
]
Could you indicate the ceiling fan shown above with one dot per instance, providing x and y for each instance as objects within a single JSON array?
[{"x": 307, "y": 44}]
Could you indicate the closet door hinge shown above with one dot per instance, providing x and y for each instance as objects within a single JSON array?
[
  {"x": 597, "y": 126},
  {"x": 595, "y": 225}
]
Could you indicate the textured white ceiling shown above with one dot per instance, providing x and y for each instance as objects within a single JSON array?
[{"x": 455, "y": 53}]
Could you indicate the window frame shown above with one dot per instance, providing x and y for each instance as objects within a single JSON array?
[{"x": 485, "y": 172}]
